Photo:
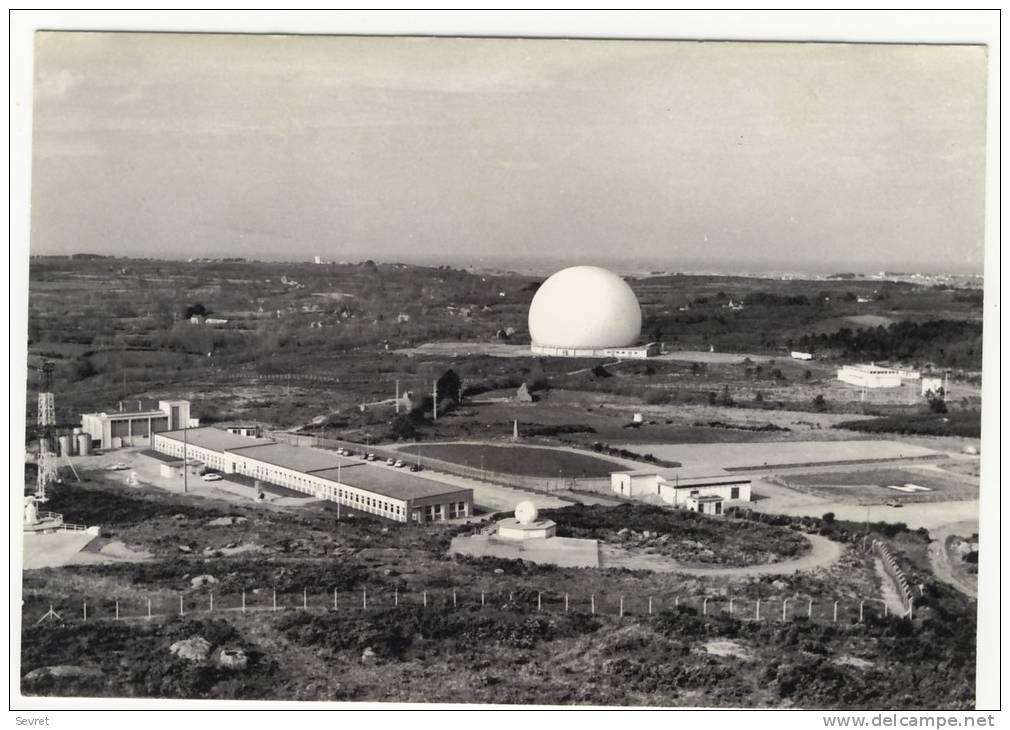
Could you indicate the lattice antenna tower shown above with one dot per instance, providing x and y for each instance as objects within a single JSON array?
[
  {"x": 47, "y": 403},
  {"x": 47, "y": 474}
]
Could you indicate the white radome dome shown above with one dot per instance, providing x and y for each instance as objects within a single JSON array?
[
  {"x": 585, "y": 307},
  {"x": 526, "y": 513}
]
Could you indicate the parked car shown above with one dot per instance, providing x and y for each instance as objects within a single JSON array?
[
  {"x": 370, "y": 457},
  {"x": 118, "y": 467},
  {"x": 212, "y": 477},
  {"x": 415, "y": 467},
  {"x": 391, "y": 461},
  {"x": 894, "y": 504},
  {"x": 399, "y": 463}
]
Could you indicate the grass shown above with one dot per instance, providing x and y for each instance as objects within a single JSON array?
[
  {"x": 521, "y": 460},
  {"x": 503, "y": 653}
]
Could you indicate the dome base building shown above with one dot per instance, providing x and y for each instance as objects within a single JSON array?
[
  {"x": 639, "y": 352},
  {"x": 586, "y": 311}
]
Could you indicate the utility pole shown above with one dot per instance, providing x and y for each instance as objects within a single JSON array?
[
  {"x": 185, "y": 458},
  {"x": 434, "y": 401},
  {"x": 397, "y": 402}
]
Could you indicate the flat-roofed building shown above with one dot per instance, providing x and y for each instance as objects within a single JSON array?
[
  {"x": 678, "y": 486},
  {"x": 363, "y": 486},
  {"x": 134, "y": 423},
  {"x": 869, "y": 376}
]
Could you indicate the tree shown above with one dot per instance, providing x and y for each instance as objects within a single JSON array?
[
  {"x": 828, "y": 517},
  {"x": 447, "y": 387},
  {"x": 819, "y": 403},
  {"x": 807, "y": 375},
  {"x": 938, "y": 405},
  {"x": 194, "y": 310},
  {"x": 403, "y": 428}
]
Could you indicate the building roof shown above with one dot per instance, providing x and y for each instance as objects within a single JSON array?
[
  {"x": 389, "y": 482},
  {"x": 211, "y": 438},
  {"x": 676, "y": 472},
  {"x": 299, "y": 458}
]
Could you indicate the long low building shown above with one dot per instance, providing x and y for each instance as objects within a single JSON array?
[
  {"x": 685, "y": 488},
  {"x": 631, "y": 352},
  {"x": 362, "y": 486},
  {"x": 872, "y": 376}
]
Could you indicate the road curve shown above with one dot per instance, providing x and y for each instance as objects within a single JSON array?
[
  {"x": 939, "y": 558},
  {"x": 823, "y": 552}
]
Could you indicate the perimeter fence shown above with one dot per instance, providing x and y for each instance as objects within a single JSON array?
[{"x": 38, "y": 609}]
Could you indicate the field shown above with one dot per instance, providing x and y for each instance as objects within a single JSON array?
[
  {"x": 873, "y": 484},
  {"x": 321, "y": 349},
  {"x": 505, "y": 651},
  {"x": 787, "y": 453},
  {"x": 521, "y": 460}
]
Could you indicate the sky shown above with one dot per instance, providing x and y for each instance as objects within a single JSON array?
[{"x": 666, "y": 155}]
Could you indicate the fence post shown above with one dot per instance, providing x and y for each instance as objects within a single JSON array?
[
  {"x": 148, "y": 609},
  {"x": 424, "y": 598},
  {"x": 538, "y": 600},
  {"x": 212, "y": 601},
  {"x": 885, "y": 609},
  {"x": 650, "y": 605},
  {"x": 861, "y": 611},
  {"x": 117, "y": 610},
  {"x": 704, "y": 606},
  {"x": 757, "y": 610},
  {"x": 621, "y": 613},
  {"x": 364, "y": 598},
  {"x": 592, "y": 604},
  {"x": 454, "y": 599},
  {"x": 396, "y": 596},
  {"x": 676, "y": 601},
  {"x": 275, "y": 599},
  {"x": 834, "y": 617},
  {"x": 785, "y": 602},
  {"x": 334, "y": 599},
  {"x": 182, "y": 610},
  {"x": 305, "y": 599},
  {"x": 85, "y": 610},
  {"x": 731, "y": 607},
  {"x": 911, "y": 605},
  {"x": 243, "y": 600},
  {"x": 566, "y": 603},
  {"x": 810, "y": 608},
  {"x": 482, "y": 598}
]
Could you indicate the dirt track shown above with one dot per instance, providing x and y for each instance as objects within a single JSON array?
[
  {"x": 939, "y": 558},
  {"x": 823, "y": 552}
]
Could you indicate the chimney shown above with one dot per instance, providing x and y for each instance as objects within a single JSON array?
[
  {"x": 120, "y": 406},
  {"x": 140, "y": 406}
]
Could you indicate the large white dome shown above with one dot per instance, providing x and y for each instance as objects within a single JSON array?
[{"x": 585, "y": 307}]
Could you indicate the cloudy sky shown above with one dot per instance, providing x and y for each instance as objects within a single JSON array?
[{"x": 675, "y": 155}]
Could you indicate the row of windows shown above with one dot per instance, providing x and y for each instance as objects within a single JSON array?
[{"x": 310, "y": 485}]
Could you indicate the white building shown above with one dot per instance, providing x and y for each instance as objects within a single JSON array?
[
  {"x": 932, "y": 385},
  {"x": 801, "y": 355},
  {"x": 355, "y": 483},
  {"x": 133, "y": 424},
  {"x": 683, "y": 487},
  {"x": 869, "y": 376}
]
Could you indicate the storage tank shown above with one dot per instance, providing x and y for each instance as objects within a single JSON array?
[
  {"x": 117, "y": 442},
  {"x": 84, "y": 444},
  {"x": 65, "y": 446}
]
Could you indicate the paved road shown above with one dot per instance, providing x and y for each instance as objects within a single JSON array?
[
  {"x": 939, "y": 557},
  {"x": 823, "y": 552}
]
